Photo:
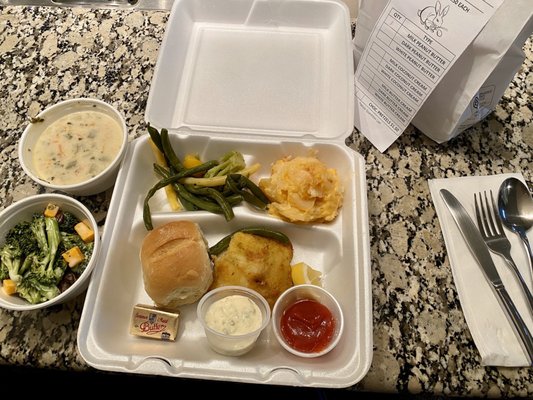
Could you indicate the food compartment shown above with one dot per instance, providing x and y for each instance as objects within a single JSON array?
[
  {"x": 338, "y": 249},
  {"x": 264, "y": 153},
  {"x": 123, "y": 286}
]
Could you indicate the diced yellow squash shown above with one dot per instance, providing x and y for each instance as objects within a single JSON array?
[
  {"x": 85, "y": 232},
  {"x": 73, "y": 256},
  {"x": 9, "y": 286},
  {"x": 51, "y": 210},
  {"x": 191, "y": 161},
  {"x": 172, "y": 197}
]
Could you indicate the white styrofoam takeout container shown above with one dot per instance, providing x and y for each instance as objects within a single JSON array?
[{"x": 269, "y": 79}]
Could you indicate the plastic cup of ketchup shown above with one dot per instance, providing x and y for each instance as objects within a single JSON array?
[{"x": 307, "y": 321}]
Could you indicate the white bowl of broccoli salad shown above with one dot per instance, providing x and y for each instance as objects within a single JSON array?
[{"x": 48, "y": 248}]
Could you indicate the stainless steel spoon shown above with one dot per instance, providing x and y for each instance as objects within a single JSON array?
[{"x": 515, "y": 206}]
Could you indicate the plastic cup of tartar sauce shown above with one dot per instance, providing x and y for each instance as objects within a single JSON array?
[{"x": 233, "y": 317}]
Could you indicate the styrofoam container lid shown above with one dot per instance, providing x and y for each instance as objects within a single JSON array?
[{"x": 276, "y": 68}]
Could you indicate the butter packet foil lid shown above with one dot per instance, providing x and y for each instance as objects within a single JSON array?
[{"x": 152, "y": 322}]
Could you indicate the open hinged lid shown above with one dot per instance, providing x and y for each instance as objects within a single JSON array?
[{"x": 279, "y": 68}]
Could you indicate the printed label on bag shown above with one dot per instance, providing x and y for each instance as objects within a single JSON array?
[{"x": 413, "y": 45}]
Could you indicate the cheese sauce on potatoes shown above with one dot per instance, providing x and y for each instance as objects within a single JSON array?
[{"x": 303, "y": 189}]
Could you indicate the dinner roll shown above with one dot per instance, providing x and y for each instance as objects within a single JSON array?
[{"x": 176, "y": 265}]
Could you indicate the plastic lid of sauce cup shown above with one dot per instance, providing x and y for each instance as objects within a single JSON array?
[{"x": 307, "y": 321}]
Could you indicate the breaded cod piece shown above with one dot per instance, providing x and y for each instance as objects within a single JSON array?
[{"x": 256, "y": 262}]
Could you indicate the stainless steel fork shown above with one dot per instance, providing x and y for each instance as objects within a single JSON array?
[{"x": 492, "y": 231}]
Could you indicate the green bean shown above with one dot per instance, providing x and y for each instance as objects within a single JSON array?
[
  {"x": 218, "y": 200},
  {"x": 169, "y": 180},
  {"x": 233, "y": 182},
  {"x": 192, "y": 203},
  {"x": 215, "y": 195},
  {"x": 234, "y": 199},
  {"x": 169, "y": 153},
  {"x": 156, "y": 138},
  {"x": 164, "y": 173},
  {"x": 252, "y": 187},
  {"x": 185, "y": 203},
  {"x": 223, "y": 244},
  {"x": 161, "y": 171},
  {"x": 198, "y": 201}
]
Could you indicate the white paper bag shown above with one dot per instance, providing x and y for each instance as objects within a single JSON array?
[{"x": 474, "y": 85}]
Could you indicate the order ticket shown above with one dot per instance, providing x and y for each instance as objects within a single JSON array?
[{"x": 413, "y": 45}]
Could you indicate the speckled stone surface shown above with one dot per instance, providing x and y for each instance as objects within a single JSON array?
[{"x": 421, "y": 340}]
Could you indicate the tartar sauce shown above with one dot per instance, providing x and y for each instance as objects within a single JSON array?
[
  {"x": 234, "y": 315},
  {"x": 77, "y": 147}
]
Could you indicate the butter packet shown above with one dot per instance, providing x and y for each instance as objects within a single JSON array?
[{"x": 152, "y": 322}]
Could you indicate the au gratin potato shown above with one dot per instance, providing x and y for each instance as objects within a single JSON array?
[{"x": 303, "y": 189}]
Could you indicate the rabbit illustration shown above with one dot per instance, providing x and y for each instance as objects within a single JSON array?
[{"x": 432, "y": 17}]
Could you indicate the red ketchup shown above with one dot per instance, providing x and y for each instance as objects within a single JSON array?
[{"x": 307, "y": 326}]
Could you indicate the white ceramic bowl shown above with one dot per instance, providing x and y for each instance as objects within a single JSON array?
[
  {"x": 232, "y": 345},
  {"x": 23, "y": 210},
  {"x": 312, "y": 292},
  {"x": 98, "y": 183}
]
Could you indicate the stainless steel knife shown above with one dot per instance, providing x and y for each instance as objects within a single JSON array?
[{"x": 481, "y": 253}]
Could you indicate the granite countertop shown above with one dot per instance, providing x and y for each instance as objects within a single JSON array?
[{"x": 421, "y": 341}]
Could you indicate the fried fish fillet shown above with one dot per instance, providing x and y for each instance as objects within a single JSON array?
[{"x": 256, "y": 262}]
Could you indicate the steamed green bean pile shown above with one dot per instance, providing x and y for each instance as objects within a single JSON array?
[{"x": 215, "y": 186}]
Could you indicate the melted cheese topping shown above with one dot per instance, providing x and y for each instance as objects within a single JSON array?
[
  {"x": 77, "y": 147},
  {"x": 303, "y": 189}
]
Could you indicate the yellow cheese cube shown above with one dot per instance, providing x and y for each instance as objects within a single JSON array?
[
  {"x": 9, "y": 286},
  {"x": 51, "y": 210},
  {"x": 85, "y": 232},
  {"x": 73, "y": 256}
]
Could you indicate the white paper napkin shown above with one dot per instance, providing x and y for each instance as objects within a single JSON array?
[{"x": 491, "y": 330}]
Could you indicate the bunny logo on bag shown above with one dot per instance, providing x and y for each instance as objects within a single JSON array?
[{"x": 432, "y": 17}]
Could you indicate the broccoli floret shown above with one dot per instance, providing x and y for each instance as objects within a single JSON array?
[
  {"x": 229, "y": 163},
  {"x": 19, "y": 244},
  {"x": 54, "y": 238},
  {"x": 69, "y": 240},
  {"x": 28, "y": 263},
  {"x": 67, "y": 222},
  {"x": 11, "y": 258},
  {"x": 38, "y": 228},
  {"x": 4, "y": 271},
  {"x": 21, "y": 235},
  {"x": 35, "y": 291},
  {"x": 46, "y": 232}
]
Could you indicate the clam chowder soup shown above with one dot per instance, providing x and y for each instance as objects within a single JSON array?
[{"x": 77, "y": 147}]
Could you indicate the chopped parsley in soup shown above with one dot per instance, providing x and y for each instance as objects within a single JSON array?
[{"x": 77, "y": 147}]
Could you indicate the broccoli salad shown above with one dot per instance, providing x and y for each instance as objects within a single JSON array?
[{"x": 43, "y": 257}]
